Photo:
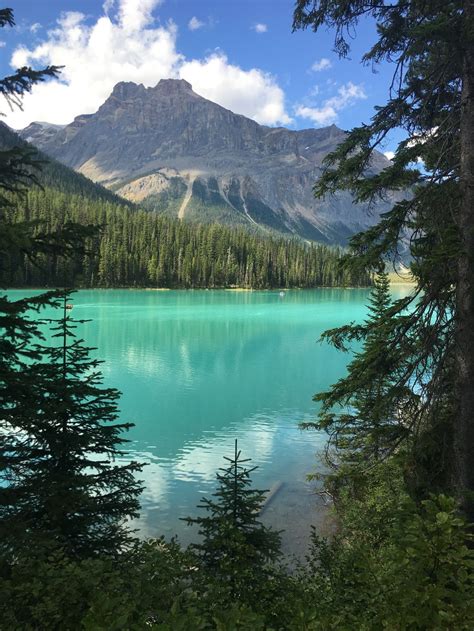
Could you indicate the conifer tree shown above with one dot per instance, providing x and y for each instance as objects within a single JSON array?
[
  {"x": 369, "y": 425},
  {"x": 17, "y": 171},
  {"x": 236, "y": 548},
  {"x": 58, "y": 484},
  {"x": 430, "y": 334},
  {"x": 66, "y": 489}
]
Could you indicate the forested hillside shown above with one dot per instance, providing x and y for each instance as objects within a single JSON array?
[
  {"x": 53, "y": 174},
  {"x": 139, "y": 248},
  {"x": 136, "y": 248}
]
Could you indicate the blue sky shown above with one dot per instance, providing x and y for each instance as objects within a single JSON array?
[{"x": 239, "y": 53}]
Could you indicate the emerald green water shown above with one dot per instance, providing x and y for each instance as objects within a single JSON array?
[{"x": 198, "y": 369}]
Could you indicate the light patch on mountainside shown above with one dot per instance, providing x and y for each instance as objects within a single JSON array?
[
  {"x": 143, "y": 187},
  {"x": 187, "y": 197},
  {"x": 94, "y": 172},
  {"x": 125, "y": 44}
]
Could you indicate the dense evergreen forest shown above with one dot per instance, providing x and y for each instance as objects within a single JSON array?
[{"x": 137, "y": 248}]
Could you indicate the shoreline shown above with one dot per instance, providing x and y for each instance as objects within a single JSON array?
[{"x": 231, "y": 289}]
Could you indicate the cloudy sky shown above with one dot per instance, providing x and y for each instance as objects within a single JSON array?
[{"x": 238, "y": 53}]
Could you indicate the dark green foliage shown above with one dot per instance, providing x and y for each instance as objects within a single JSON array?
[
  {"x": 198, "y": 210},
  {"x": 262, "y": 214},
  {"x": 238, "y": 559},
  {"x": 234, "y": 196},
  {"x": 402, "y": 558},
  {"x": 236, "y": 549},
  {"x": 63, "y": 488},
  {"x": 208, "y": 194},
  {"x": 358, "y": 412},
  {"x": 396, "y": 564},
  {"x": 135, "y": 591},
  {"x": 414, "y": 352},
  {"x": 393, "y": 564},
  {"x": 144, "y": 249},
  {"x": 60, "y": 488}
]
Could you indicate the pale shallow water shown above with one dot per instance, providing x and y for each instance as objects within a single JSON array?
[{"x": 199, "y": 369}]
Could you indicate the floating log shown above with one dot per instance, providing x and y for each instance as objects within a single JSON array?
[{"x": 271, "y": 494}]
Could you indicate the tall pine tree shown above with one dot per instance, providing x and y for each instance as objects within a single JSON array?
[
  {"x": 66, "y": 490},
  {"x": 358, "y": 412},
  {"x": 431, "y": 98},
  {"x": 59, "y": 486}
]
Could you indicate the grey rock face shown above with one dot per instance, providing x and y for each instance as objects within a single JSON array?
[
  {"x": 38, "y": 133},
  {"x": 176, "y": 152}
]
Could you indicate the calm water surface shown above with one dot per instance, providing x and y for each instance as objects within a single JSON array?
[{"x": 198, "y": 369}]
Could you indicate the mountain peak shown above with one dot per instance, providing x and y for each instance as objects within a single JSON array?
[
  {"x": 180, "y": 153},
  {"x": 126, "y": 89},
  {"x": 173, "y": 85}
]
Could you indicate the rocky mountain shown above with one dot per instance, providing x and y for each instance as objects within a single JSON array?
[
  {"x": 175, "y": 152},
  {"x": 57, "y": 176}
]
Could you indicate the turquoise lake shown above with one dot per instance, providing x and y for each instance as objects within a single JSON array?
[{"x": 199, "y": 369}]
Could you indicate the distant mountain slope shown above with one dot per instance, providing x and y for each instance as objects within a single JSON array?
[
  {"x": 57, "y": 176},
  {"x": 138, "y": 248},
  {"x": 178, "y": 153}
]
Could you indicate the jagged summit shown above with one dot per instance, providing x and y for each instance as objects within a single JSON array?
[
  {"x": 173, "y": 85},
  {"x": 126, "y": 89},
  {"x": 176, "y": 152},
  {"x": 129, "y": 89}
]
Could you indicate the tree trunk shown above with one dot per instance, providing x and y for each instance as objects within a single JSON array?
[{"x": 464, "y": 424}]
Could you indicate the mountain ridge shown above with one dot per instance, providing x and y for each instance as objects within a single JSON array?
[
  {"x": 54, "y": 174},
  {"x": 175, "y": 152}
]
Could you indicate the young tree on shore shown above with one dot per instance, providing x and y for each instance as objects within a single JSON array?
[
  {"x": 358, "y": 411},
  {"x": 236, "y": 549}
]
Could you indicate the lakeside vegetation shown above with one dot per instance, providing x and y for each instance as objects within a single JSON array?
[{"x": 138, "y": 248}]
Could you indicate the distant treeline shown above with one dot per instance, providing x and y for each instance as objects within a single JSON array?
[{"x": 136, "y": 248}]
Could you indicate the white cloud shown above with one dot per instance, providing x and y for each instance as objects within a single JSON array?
[
  {"x": 194, "y": 24},
  {"x": 125, "y": 44},
  {"x": 95, "y": 58},
  {"x": 35, "y": 27},
  {"x": 321, "y": 64},
  {"x": 319, "y": 115},
  {"x": 389, "y": 154},
  {"x": 2, "y": 44},
  {"x": 253, "y": 93},
  {"x": 260, "y": 28},
  {"x": 108, "y": 6},
  {"x": 135, "y": 15},
  {"x": 328, "y": 112}
]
